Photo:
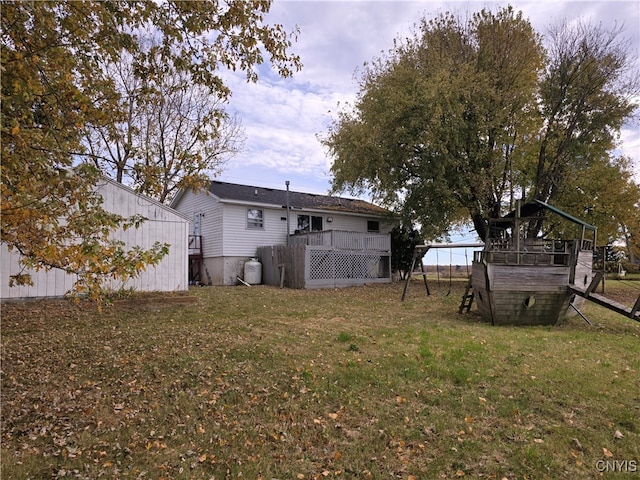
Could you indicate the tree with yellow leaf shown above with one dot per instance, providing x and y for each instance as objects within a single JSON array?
[{"x": 53, "y": 87}]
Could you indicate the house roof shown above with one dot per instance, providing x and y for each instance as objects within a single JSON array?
[{"x": 270, "y": 196}]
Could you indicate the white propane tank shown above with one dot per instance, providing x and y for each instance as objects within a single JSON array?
[{"x": 253, "y": 272}]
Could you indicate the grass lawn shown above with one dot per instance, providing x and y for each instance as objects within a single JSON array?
[{"x": 263, "y": 383}]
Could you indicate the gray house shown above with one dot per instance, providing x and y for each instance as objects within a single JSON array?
[{"x": 232, "y": 223}]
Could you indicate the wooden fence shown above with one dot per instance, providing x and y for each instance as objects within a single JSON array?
[{"x": 283, "y": 265}]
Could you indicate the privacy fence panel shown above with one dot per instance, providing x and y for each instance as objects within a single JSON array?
[{"x": 279, "y": 260}]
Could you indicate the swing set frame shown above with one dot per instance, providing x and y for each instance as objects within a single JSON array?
[{"x": 420, "y": 251}]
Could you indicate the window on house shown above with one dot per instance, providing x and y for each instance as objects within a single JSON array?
[
  {"x": 197, "y": 222},
  {"x": 373, "y": 226},
  {"x": 309, "y": 223},
  {"x": 255, "y": 218}
]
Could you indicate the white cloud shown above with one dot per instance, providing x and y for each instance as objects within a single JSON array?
[{"x": 283, "y": 117}]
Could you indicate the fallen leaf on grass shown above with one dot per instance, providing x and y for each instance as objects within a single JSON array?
[
  {"x": 607, "y": 453},
  {"x": 618, "y": 435}
]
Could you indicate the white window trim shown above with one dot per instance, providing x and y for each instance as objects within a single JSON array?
[
  {"x": 254, "y": 226},
  {"x": 310, "y": 217},
  {"x": 373, "y": 231}
]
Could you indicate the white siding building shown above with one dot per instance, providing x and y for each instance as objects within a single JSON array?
[
  {"x": 162, "y": 224},
  {"x": 232, "y": 221}
]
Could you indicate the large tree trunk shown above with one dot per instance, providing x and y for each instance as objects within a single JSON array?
[{"x": 481, "y": 225}]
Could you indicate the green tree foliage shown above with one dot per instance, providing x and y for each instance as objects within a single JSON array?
[
  {"x": 54, "y": 86},
  {"x": 434, "y": 127},
  {"x": 458, "y": 121},
  {"x": 604, "y": 193},
  {"x": 403, "y": 244}
]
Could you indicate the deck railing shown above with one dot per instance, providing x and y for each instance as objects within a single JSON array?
[
  {"x": 195, "y": 245},
  {"x": 527, "y": 252},
  {"x": 344, "y": 240}
]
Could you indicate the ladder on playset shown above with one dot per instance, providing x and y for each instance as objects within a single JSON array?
[{"x": 467, "y": 297}]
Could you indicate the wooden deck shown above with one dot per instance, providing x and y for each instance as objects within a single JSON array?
[{"x": 329, "y": 258}]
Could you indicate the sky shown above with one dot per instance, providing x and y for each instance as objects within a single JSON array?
[{"x": 283, "y": 118}]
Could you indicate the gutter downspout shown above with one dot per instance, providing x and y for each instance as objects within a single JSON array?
[{"x": 288, "y": 221}]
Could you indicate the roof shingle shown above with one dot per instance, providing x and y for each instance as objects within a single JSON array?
[{"x": 271, "y": 196}]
